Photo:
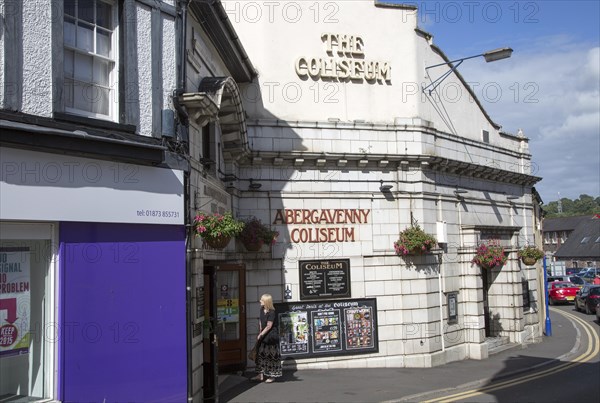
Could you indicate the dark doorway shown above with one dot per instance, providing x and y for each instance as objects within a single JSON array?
[
  {"x": 231, "y": 317},
  {"x": 485, "y": 277},
  {"x": 210, "y": 364}
]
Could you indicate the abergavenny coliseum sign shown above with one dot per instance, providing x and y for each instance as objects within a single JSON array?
[
  {"x": 350, "y": 64},
  {"x": 330, "y": 225}
]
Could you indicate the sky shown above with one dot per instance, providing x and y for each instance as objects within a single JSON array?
[{"x": 549, "y": 88}]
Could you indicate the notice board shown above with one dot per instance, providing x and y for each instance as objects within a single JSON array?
[
  {"x": 324, "y": 279},
  {"x": 337, "y": 327}
]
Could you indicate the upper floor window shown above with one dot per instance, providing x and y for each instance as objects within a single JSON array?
[
  {"x": 90, "y": 57},
  {"x": 485, "y": 136}
]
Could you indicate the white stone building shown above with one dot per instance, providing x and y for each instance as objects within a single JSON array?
[{"x": 337, "y": 121}]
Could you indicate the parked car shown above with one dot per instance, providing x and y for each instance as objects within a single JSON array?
[
  {"x": 578, "y": 281},
  {"x": 572, "y": 271},
  {"x": 589, "y": 274},
  {"x": 561, "y": 291},
  {"x": 598, "y": 314},
  {"x": 588, "y": 298}
]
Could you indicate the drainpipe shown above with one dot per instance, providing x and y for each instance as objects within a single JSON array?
[
  {"x": 183, "y": 121},
  {"x": 181, "y": 40},
  {"x": 440, "y": 218}
]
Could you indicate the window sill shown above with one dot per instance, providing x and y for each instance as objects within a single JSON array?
[{"x": 93, "y": 122}]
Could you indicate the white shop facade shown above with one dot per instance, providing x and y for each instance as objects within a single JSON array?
[{"x": 344, "y": 150}]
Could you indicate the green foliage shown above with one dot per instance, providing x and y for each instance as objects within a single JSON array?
[
  {"x": 414, "y": 240},
  {"x": 489, "y": 255},
  {"x": 530, "y": 252},
  {"x": 584, "y": 205},
  {"x": 212, "y": 226},
  {"x": 255, "y": 231}
]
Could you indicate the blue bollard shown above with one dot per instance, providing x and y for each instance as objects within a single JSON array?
[{"x": 548, "y": 331}]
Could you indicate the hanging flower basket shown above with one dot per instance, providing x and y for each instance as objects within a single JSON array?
[
  {"x": 414, "y": 241},
  {"x": 528, "y": 261},
  {"x": 255, "y": 234},
  {"x": 489, "y": 255},
  {"x": 530, "y": 255},
  {"x": 253, "y": 246},
  {"x": 219, "y": 242},
  {"x": 217, "y": 229}
]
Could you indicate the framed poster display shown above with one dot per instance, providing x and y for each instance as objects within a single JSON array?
[
  {"x": 452, "y": 307},
  {"x": 337, "y": 327},
  {"x": 324, "y": 279}
]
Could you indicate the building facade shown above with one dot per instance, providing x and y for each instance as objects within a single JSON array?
[
  {"x": 346, "y": 150},
  {"x": 123, "y": 119}
]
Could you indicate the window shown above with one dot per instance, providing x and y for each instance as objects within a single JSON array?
[
  {"x": 209, "y": 153},
  {"x": 485, "y": 136},
  {"x": 90, "y": 57},
  {"x": 27, "y": 360},
  {"x": 563, "y": 236}
]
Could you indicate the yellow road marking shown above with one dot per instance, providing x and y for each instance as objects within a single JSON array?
[{"x": 592, "y": 350}]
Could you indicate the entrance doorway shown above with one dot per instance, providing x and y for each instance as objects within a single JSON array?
[
  {"x": 225, "y": 338},
  {"x": 486, "y": 306}
]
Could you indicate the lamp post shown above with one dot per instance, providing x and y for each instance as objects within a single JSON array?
[
  {"x": 490, "y": 56},
  {"x": 548, "y": 331}
]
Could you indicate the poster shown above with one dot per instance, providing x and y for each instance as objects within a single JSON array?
[
  {"x": 228, "y": 310},
  {"x": 337, "y": 327},
  {"x": 15, "y": 283},
  {"x": 326, "y": 325},
  {"x": 359, "y": 327},
  {"x": 293, "y": 331}
]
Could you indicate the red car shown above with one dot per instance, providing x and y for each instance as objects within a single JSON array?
[{"x": 561, "y": 291}]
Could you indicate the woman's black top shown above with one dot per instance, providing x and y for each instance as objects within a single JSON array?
[{"x": 267, "y": 317}]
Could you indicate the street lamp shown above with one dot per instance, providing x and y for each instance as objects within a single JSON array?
[{"x": 489, "y": 56}]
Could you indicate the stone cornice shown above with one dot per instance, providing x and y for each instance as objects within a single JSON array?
[
  {"x": 388, "y": 162},
  {"x": 399, "y": 125}
]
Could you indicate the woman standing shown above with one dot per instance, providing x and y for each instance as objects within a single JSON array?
[{"x": 268, "y": 359}]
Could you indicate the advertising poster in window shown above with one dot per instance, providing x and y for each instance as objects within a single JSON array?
[
  {"x": 293, "y": 331},
  {"x": 337, "y": 327},
  {"x": 14, "y": 301},
  {"x": 359, "y": 328},
  {"x": 326, "y": 325}
]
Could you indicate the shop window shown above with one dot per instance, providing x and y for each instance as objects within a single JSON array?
[
  {"x": 90, "y": 58},
  {"x": 27, "y": 333}
]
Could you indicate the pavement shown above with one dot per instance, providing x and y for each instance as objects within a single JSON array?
[{"x": 403, "y": 384}]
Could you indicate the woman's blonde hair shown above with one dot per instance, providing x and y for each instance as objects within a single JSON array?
[{"x": 267, "y": 299}]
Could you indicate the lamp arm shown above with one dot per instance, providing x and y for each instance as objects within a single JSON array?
[
  {"x": 441, "y": 78},
  {"x": 454, "y": 61}
]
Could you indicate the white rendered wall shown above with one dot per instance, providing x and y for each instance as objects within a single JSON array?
[
  {"x": 144, "y": 60},
  {"x": 37, "y": 58},
  {"x": 275, "y": 37}
]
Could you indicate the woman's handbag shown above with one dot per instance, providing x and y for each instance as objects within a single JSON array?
[
  {"x": 252, "y": 353},
  {"x": 272, "y": 337}
]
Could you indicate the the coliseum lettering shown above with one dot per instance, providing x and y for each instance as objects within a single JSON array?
[{"x": 341, "y": 65}]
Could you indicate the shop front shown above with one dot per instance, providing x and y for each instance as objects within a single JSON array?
[{"x": 93, "y": 279}]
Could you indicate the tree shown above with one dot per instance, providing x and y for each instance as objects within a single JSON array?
[{"x": 584, "y": 205}]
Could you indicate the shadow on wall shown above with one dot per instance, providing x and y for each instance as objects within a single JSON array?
[{"x": 496, "y": 328}]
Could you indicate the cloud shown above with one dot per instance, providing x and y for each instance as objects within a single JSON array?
[{"x": 551, "y": 90}]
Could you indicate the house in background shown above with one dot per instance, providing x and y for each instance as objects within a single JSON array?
[
  {"x": 556, "y": 231},
  {"x": 582, "y": 247}
]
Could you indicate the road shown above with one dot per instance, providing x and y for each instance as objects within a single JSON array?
[{"x": 573, "y": 380}]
